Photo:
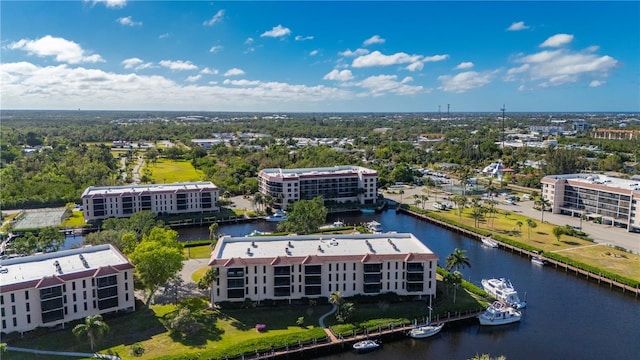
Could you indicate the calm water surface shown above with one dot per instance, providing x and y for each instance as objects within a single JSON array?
[{"x": 566, "y": 317}]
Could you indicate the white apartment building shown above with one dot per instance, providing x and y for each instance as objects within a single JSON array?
[
  {"x": 338, "y": 183},
  {"x": 313, "y": 266},
  {"x": 592, "y": 196},
  {"x": 47, "y": 290},
  {"x": 122, "y": 201}
]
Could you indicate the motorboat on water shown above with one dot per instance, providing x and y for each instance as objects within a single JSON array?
[
  {"x": 539, "y": 260},
  {"x": 503, "y": 291},
  {"x": 335, "y": 225},
  {"x": 368, "y": 211},
  {"x": 425, "y": 331},
  {"x": 366, "y": 346},
  {"x": 375, "y": 227},
  {"x": 488, "y": 242},
  {"x": 278, "y": 216},
  {"x": 499, "y": 314},
  {"x": 258, "y": 233}
]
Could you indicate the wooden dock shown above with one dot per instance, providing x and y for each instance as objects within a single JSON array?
[{"x": 559, "y": 265}]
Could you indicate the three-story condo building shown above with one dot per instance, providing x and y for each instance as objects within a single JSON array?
[
  {"x": 122, "y": 201},
  {"x": 338, "y": 183},
  {"x": 47, "y": 290},
  {"x": 613, "y": 199},
  {"x": 314, "y": 266}
]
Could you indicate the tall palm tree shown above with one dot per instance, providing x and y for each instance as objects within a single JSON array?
[
  {"x": 532, "y": 225},
  {"x": 519, "y": 225},
  {"x": 93, "y": 327},
  {"x": 543, "y": 203},
  {"x": 457, "y": 259}
]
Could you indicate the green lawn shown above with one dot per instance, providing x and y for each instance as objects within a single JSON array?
[
  {"x": 75, "y": 220},
  {"x": 504, "y": 223},
  {"x": 198, "y": 252},
  {"x": 170, "y": 171}
]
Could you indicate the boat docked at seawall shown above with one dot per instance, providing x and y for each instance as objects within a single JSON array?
[
  {"x": 425, "y": 331},
  {"x": 335, "y": 225},
  {"x": 539, "y": 260},
  {"x": 488, "y": 242},
  {"x": 366, "y": 346},
  {"x": 368, "y": 211},
  {"x": 277, "y": 216},
  {"x": 375, "y": 227},
  {"x": 499, "y": 314},
  {"x": 503, "y": 291}
]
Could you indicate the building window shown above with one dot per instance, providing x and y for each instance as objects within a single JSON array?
[
  {"x": 13, "y": 297},
  {"x": 28, "y": 319},
  {"x": 13, "y": 309},
  {"x": 26, "y": 295},
  {"x": 15, "y": 322},
  {"x": 28, "y": 305}
]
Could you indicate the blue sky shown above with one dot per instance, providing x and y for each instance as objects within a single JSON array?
[{"x": 364, "y": 56}]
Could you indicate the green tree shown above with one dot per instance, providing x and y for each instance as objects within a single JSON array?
[
  {"x": 487, "y": 357},
  {"x": 93, "y": 327},
  {"x": 345, "y": 312},
  {"x": 212, "y": 231},
  {"x": 157, "y": 259},
  {"x": 457, "y": 259},
  {"x": 519, "y": 225},
  {"x": 531, "y": 224},
  {"x": 305, "y": 216},
  {"x": 543, "y": 203},
  {"x": 185, "y": 323},
  {"x": 558, "y": 231}
]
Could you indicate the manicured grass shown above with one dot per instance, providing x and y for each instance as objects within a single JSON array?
[
  {"x": 541, "y": 237},
  {"x": 75, "y": 220},
  {"x": 170, "y": 171},
  {"x": 198, "y": 274},
  {"x": 198, "y": 252}
]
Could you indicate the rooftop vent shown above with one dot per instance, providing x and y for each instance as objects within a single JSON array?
[
  {"x": 248, "y": 251},
  {"x": 84, "y": 261},
  {"x": 57, "y": 265}
]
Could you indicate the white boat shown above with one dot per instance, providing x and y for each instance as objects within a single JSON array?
[
  {"x": 366, "y": 346},
  {"x": 277, "y": 216},
  {"x": 258, "y": 233},
  {"x": 499, "y": 314},
  {"x": 421, "y": 332},
  {"x": 503, "y": 291},
  {"x": 335, "y": 225},
  {"x": 539, "y": 260},
  {"x": 488, "y": 242},
  {"x": 375, "y": 227}
]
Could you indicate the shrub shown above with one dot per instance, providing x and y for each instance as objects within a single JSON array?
[
  {"x": 261, "y": 327},
  {"x": 137, "y": 350}
]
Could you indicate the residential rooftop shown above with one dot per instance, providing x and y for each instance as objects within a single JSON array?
[
  {"x": 335, "y": 170},
  {"x": 604, "y": 180},
  {"x": 140, "y": 189}
]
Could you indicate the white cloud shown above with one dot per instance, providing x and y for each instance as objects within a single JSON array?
[
  {"x": 377, "y": 58},
  {"x": 193, "y": 78},
  {"x": 517, "y": 26},
  {"x": 234, "y": 72},
  {"x": 63, "y": 50},
  {"x": 216, "y": 48},
  {"x": 557, "y": 40},
  {"x": 215, "y": 19},
  {"x": 303, "y": 38},
  {"x": 178, "y": 65},
  {"x": 313, "y": 52},
  {"x": 562, "y": 66},
  {"x": 135, "y": 63},
  {"x": 164, "y": 36},
  {"x": 381, "y": 84},
  {"x": 128, "y": 21},
  {"x": 464, "y": 81},
  {"x": 249, "y": 41},
  {"x": 207, "y": 71},
  {"x": 338, "y": 75},
  {"x": 596, "y": 83},
  {"x": 242, "y": 82},
  {"x": 349, "y": 53},
  {"x": 113, "y": 4},
  {"x": 277, "y": 31},
  {"x": 375, "y": 39},
  {"x": 464, "y": 65}
]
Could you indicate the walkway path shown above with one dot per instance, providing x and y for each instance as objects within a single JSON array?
[
  {"x": 577, "y": 247},
  {"x": 329, "y": 333}
]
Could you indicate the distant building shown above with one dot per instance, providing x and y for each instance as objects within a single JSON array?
[
  {"x": 122, "y": 201},
  {"x": 207, "y": 144},
  {"x": 47, "y": 290},
  {"x": 311, "y": 266},
  {"x": 613, "y": 199},
  {"x": 612, "y": 134},
  {"x": 338, "y": 183}
]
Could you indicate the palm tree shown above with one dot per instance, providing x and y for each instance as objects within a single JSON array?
[
  {"x": 212, "y": 230},
  {"x": 336, "y": 298},
  {"x": 519, "y": 225},
  {"x": 401, "y": 193},
  {"x": 532, "y": 225},
  {"x": 543, "y": 203},
  {"x": 558, "y": 231},
  {"x": 457, "y": 259},
  {"x": 93, "y": 327}
]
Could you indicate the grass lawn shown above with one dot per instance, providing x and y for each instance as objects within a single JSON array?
[
  {"x": 503, "y": 223},
  {"x": 198, "y": 252},
  {"x": 196, "y": 275},
  {"x": 75, "y": 220},
  {"x": 224, "y": 331},
  {"x": 171, "y": 171}
]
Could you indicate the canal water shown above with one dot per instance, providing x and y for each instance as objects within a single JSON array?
[{"x": 566, "y": 317}]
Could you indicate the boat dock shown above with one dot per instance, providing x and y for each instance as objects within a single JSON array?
[
  {"x": 559, "y": 265},
  {"x": 332, "y": 344}
]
